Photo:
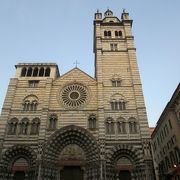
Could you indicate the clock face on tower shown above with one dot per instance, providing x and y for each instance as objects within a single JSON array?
[{"x": 74, "y": 95}]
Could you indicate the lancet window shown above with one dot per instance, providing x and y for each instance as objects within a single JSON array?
[
  {"x": 35, "y": 126},
  {"x": 92, "y": 122},
  {"x": 29, "y": 72},
  {"x": 23, "y": 72},
  {"x": 41, "y": 72},
  {"x": 121, "y": 126},
  {"x": 23, "y": 126},
  {"x": 12, "y": 126},
  {"x": 107, "y": 33},
  {"x": 52, "y": 121},
  {"x": 118, "y": 33},
  {"x": 30, "y": 103},
  {"x": 47, "y": 72},
  {"x": 35, "y": 72},
  {"x": 133, "y": 128},
  {"x": 110, "y": 126}
]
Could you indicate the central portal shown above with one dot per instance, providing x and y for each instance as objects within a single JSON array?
[
  {"x": 71, "y": 160},
  {"x": 71, "y": 173}
]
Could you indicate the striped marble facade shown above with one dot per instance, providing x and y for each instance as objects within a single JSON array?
[{"x": 97, "y": 124}]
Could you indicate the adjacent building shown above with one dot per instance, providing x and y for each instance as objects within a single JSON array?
[
  {"x": 75, "y": 126},
  {"x": 166, "y": 140}
]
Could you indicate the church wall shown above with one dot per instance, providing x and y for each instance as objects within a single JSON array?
[
  {"x": 7, "y": 106},
  {"x": 62, "y": 124},
  {"x": 22, "y": 92}
]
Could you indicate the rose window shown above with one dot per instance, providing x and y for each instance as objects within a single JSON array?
[{"x": 74, "y": 95}]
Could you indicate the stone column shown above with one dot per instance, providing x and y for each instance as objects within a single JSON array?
[
  {"x": 59, "y": 173},
  {"x": 39, "y": 162},
  {"x": 84, "y": 172}
]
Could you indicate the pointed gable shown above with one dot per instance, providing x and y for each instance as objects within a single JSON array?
[{"x": 76, "y": 75}]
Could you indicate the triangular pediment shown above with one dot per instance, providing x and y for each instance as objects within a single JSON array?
[{"x": 76, "y": 74}]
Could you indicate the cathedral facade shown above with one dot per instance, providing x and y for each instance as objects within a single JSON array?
[{"x": 77, "y": 127}]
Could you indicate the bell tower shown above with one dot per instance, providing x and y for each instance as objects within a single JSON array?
[
  {"x": 112, "y": 39},
  {"x": 120, "y": 96},
  {"x": 116, "y": 68}
]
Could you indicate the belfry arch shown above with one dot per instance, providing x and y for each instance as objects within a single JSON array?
[{"x": 79, "y": 143}]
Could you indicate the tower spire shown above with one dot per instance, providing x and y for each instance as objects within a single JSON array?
[{"x": 98, "y": 15}]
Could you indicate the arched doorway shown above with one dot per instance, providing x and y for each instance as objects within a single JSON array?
[
  {"x": 18, "y": 162},
  {"x": 72, "y": 161},
  {"x": 125, "y": 162},
  {"x": 71, "y": 150}
]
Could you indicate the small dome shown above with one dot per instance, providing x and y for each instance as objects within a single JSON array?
[{"x": 108, "y": 13}]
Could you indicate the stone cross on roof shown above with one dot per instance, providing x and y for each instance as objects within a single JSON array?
[{"x": 76, "y": 63}]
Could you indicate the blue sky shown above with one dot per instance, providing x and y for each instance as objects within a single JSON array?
[{"x": 61, "y": 31}]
